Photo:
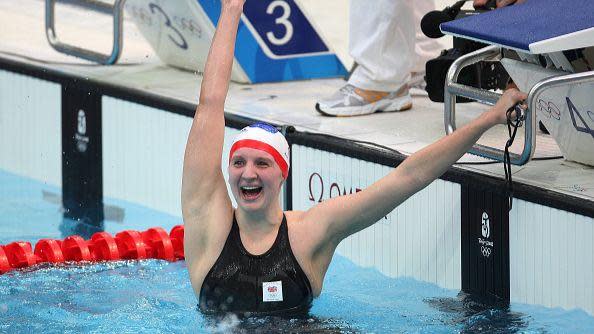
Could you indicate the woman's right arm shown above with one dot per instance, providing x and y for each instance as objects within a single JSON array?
[
  {"x": 204, "y": 194},
  {"x": 202, "y": 160}
]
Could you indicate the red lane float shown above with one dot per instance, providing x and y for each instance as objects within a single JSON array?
[
  {"x": 159, "y": 244},
  {"x": 177, "y": 239},
  {"x": 75, "y": 248},
  {"x": 20, "y": 254},
  {"x": 129, "y": 245},
  {"x": 104, "y": 247},
  {"x": 4, "y": 264},
  {"x": 49, "y": 250}
]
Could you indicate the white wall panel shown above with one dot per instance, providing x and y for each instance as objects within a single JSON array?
[
  {"x": 419, "y": 239},
  {"x": 551, "y": 257},
  {"x": 30, "y": 127},
  {"x": 143, "y": 151}
]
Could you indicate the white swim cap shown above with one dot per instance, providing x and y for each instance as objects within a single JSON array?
[{"x": 264, "y": 137}]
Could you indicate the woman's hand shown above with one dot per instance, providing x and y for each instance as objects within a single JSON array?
[
  {"x": 510, "y": 98},
  {"x": 232, "y": 4}
]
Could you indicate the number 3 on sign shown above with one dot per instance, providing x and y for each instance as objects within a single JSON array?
[{"x": 282, "y": 20}]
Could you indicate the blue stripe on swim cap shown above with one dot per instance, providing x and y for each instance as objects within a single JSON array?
[{"x": 264, "y": 126}]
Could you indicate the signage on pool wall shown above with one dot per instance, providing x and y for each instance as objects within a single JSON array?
[
  {"x": 82, "y": 173},
  {"x": 485, "y": 244},
  {"x": 321, "y": 188},
  {"x": 82, "y": 140}
]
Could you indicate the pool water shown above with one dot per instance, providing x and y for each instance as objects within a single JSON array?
[{"x": 156, "y": 296}]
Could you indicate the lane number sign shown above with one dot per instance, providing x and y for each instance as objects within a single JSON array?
[{"x": 282, "y": 29}]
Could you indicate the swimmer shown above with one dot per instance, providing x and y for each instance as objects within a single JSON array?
[{"x": 256, "y": 258}]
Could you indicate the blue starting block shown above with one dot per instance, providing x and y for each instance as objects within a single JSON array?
[
  {"x": 541, "y": 32},
  {"x": 535, "y": 26},
  {"x": 276, "y": 41}
]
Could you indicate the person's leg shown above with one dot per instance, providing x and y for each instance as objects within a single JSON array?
[
  {"x": 382, "y": 44},
  {"x": 425, "y": 48}
]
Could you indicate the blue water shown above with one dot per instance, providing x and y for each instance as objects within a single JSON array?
[{"x": 156, "y": 296}]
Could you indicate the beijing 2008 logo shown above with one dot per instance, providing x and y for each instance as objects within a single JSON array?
[
  {"x": 485, "y": 244},
  {"x": 80, "y": 137},
  {"x": 486, "y": 229}
]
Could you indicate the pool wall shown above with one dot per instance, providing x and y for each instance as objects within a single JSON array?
[
  {"x": 539, "y": 253},
  {"x": 151, "y": 149},
  {"x": 419, "y": 239},
  {"x": 552, "y": 257},
  {"x": 30, "y": 127}
]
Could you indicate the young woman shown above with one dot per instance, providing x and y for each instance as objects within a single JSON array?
[{"x": 257, "y": 258}]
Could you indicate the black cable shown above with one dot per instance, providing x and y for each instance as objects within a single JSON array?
[
  {"x": 391, "y": 150},
  {"x": 357, "y": 141},
  {"x": 491, "y": 162},
  {"x": 512, "y": 129},
  {"x": 555, "y": 157}
]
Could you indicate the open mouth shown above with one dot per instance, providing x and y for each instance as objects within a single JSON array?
[{"x": 250, "y": 193}]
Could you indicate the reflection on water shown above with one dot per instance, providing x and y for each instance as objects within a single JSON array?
[
  {"x": 473, "y": 315},
  {"x": 84, "y": 229},
  {"x": 231, "y": 323},
  {"x": 461, "y": 314}
]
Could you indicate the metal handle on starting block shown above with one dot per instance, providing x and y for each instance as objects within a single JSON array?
[
  {"x": 454, "y": 89},
  {"x": 105, "y": 59}
]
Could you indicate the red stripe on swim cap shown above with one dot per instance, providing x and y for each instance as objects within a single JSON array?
[{"x": 258, "y": 145}]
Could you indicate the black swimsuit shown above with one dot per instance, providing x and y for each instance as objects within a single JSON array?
[{"x": 271, "y": 283}]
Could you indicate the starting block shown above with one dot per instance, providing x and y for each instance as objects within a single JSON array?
[
  {"x": 276, "y": 41},
  {"x": 552, "y": 59}
]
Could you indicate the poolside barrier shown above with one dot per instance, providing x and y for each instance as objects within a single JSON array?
[{"x": 153, "y": 243}]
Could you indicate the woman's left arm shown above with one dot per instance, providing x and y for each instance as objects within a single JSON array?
[{"x": 337, "y": 218}]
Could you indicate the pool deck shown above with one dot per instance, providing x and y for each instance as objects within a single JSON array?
[{"x": 22, "y": 40}]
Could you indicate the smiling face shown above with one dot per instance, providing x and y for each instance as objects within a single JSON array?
[{"x": 255, "y": 179}]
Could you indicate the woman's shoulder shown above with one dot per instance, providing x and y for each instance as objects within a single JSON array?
[{"x": 294, "y": 216}]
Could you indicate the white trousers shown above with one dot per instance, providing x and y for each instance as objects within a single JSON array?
[{"x": 386, "y": 42}]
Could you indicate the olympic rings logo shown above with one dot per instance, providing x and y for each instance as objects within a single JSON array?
[
  {"x": 146, "y": 16},
  {"x": 486, "y": 251},
  {"x": 549, "y": 109}
]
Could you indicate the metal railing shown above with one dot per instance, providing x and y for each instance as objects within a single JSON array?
[
  {"x": 454, "y": 89},
  {"x": 116, "y": 10}
]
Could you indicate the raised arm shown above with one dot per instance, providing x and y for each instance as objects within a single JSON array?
[
  {"x": 342, "y": 216},
  {"x": 206, "y": 206},
  {"x": 202, "y": 160}
]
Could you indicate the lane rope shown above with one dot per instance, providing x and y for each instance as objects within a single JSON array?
[{"x": 154, "y": 243}]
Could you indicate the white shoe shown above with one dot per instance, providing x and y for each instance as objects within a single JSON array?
[{"x": 352, "y": 101}]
